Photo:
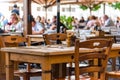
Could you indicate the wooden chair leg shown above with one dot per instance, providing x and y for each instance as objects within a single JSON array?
[
  {"x": 106, "y": 77},
  {"x": 113, "y": 64},
  {"x": 26, "y": 77},
  {"x": 16, "y": 65},
  {"x": 16, "y": 78}
]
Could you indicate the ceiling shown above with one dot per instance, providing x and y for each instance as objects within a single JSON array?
[{"x": 48, "y": 3}]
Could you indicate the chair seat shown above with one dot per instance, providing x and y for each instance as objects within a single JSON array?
[
  {"x": 113, "y": 74},
  {"x": 32, "y": 72}
]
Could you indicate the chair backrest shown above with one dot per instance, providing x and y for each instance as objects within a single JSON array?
[
  {"x": 13, "y": 41},
  {"x": 103, "y": 37},
  {"x": 98, "y": 50},
  {"x": 54, "y": 37}
]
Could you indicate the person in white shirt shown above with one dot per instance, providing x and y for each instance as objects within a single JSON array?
[
  {"x": 15, "y": 24},
  {"x": 37, "y": 28},
  {"x": 107, "y": 21}
]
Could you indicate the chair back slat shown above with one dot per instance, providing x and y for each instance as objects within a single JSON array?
[
  {"x": 94, "y": 43},
  {"x": 54, "y": 37},
  {"x": 92, "y": 56},
  {"x": 13, "y": 41},
  {"x": 89, "y": 69}
]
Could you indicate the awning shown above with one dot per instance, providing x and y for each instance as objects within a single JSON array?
[{"x": 48, "y": 3}]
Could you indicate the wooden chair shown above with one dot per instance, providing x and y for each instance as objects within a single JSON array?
[
  {"x": 14, "y": 41},
  {"x": 100, "y": 49},
  {"x": 51, "y": 39},
  {"x": 114, "y": 73},
  {"x": 2, "y": 63},
  {"x": 111, "y": 61}
]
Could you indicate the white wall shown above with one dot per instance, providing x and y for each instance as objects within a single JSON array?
[{"x": 4, "y": 8}]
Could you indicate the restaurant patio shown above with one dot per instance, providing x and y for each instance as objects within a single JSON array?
[{"x": 46, "y": 49}]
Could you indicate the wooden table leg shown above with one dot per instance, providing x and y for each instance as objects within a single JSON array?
[
  {"x": 46, "y": 71},
  {"x": 9, "y": 68}
]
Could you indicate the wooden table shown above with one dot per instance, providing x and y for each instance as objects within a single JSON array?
[
  {"x": 36, "y": 38},
  {"x": 46, "y": 56}
]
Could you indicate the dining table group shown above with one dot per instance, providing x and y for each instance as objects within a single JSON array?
[{"x": 46, "y": 55}]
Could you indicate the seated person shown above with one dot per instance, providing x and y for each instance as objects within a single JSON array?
[
  {"x": 107, "y": 21},
  {"x": 36, "y": 28},
  {"x": 53, "y": 26},
  {"x": 15, "y": 24}
]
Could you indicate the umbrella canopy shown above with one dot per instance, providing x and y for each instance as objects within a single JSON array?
[{"x": 48, "y": 3}]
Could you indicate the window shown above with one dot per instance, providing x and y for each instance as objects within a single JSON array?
[
  {"x": 72, "y": 9},
  {"x": 67, "y": 9},
  {"x": 43, "y": 9},
  {"x": 38, "y": 8},
  {"x": 50, "y": 9},
  {"x": 63, "y": 9}
]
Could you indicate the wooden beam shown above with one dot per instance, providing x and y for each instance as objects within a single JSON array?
[{"x": 27, "y": 17}]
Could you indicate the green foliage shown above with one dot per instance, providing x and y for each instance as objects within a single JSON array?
[
  {"x": 83, "y": 7},
  {"x": 92, "y": 7},
  {"x": 67, "y": 21},
  {"x": 96, "y": 7},
  {"x": 116, "y": 5}
]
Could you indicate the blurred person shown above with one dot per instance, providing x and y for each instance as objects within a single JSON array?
[
  {"x": 100, "y": 21},
  {"x": 43, "y": 22},
  {"x": 15, "y": 24},
  {"x": 48, "y": 23},
  {"x": 53, "y": 26},
  {"x": 1, "y": 17},
  {"x": 75, "y": 23},
  {"x": 91, "y": 22},
  {"x": 82, "y": 23},
  {"x": 40, "y": 21},
  {"x": 107, "y": 21},
  {"x": 3, "y": 21},
  {"x": 15, "y": 9},
  {"x": 36, "y": 28},
  {"x": 117, "y": 23},
  {"x": 82, "y": 20}
]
